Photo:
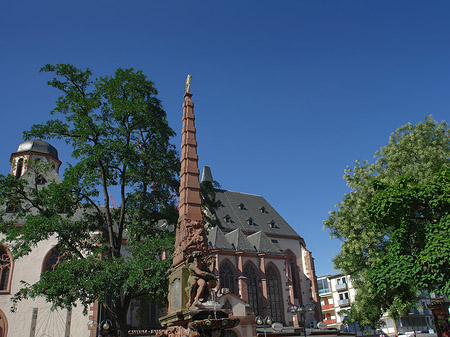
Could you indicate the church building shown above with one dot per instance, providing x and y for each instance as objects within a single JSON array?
[{"x": 261, "y": 262}]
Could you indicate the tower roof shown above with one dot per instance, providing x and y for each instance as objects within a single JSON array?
[{"x": 38, "y": 146}]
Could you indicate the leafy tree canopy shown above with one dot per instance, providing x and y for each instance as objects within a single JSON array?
[
  {"x": 389, "y": 223},
  {"x": 121, "y": 139}
]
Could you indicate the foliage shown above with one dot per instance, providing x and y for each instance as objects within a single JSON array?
[
  {"x": 373, "y": 251},
  {"x": 121, "y": 139},
  {"x": 209, "y": 202}
]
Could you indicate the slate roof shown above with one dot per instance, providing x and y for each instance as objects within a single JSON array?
[
  {"x": 250, "y": 213},
  {"x": 39, "y": 146},
  {"x": 262, "y": 243},
  {"x": 237, "y": 241},
  {"x": 216, "y": 239}
]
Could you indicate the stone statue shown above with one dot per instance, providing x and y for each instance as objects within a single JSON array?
[
  {"x": 188, "y": 83},
  {"x": 201, "y": 279}
]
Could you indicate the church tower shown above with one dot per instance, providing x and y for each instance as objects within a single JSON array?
[{"x": 33, "y": 150}]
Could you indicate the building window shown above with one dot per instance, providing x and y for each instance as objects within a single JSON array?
[
  {"x": 54, "y": 258},
  {"x": 292, "y": 266},
  {"x": 143, "y": 315},
  {"x": 227, "y": 277},
  {"x": 12, "y": 207},
  {"x": 341, "y": 280},
  {"x": 19, "y": 168},
  {"x": 323, "y": 286},
  {"x": 40, "y": 180},
  {"x": 5, "y": 269},
  {"x": 252, "y": 285},
  {"x": 273, "y": 294},
  {"x": 343, "y": 296},
  {"x": 3, "y": 324}
]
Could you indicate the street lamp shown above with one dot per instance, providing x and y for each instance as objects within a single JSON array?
[
  {"x": 104, "y": 327},
  {"x": 302, "y": 310},
  {"x": 264, "y": 321}
]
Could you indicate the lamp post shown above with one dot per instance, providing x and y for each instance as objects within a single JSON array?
[
  {"x": 104, "y": 328},
  {"x": 264, "y": 321},
  {"x": 302, "y": 310}
]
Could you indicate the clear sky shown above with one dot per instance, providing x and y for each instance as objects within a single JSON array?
[{"x": 287, "y": 93}]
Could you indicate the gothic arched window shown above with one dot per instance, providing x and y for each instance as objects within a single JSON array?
[
  {"x": 252, "y": 285},
  {"x": 274, "y": 294},
  {"x": 293, "y": 270},
  {"x": 227, "y": 279},
  {"x": 5, "y": 269},
  {"x": 54, "y": 257},
  {"x": 3, "y": 324},
  {"x": 19, "y": 168}
]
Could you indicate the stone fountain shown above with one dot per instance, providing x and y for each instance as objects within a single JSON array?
[{"x": 193, "y": 288}]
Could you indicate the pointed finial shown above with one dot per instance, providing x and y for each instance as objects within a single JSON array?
[{"x": 188, "y": 83}]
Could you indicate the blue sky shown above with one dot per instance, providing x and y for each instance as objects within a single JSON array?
[{"x": 287, "y": 93}]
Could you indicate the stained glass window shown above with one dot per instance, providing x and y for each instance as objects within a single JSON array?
[
  {"x": 227, "y": 279},
  {"x": 273, "y": 294},
  {"x": 294, "y": 277},
  {"x": 53, "y": 259},
  {"x": 5, "y": 268},
  {"x": 252, "y": 284}
]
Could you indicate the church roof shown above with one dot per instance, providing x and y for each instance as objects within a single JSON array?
[
  {"x": 216, "y": 239},
  {"x": 262, "y": 243},
  {"x": 39, "y": 146},
  {"x": 239, "y": 241},
  {"x": 250, "y": 213}
]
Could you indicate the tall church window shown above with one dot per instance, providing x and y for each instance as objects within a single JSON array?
[
  {"x": 5, "y": 269},
  {"x": 227, "y": 279},
  {"x": 19, "y": 168},
  {"x": 54, "y": 258},
  {"x": 293, "y": 269},
  {"x": 252, "y": 285},
  {"x": 274, "y": 294},
  {"x": 3, "y": 324}
]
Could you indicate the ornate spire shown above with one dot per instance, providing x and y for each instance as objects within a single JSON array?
[
  {"x": 190, "y": 202},
  {"x": 191, "y": 234}
]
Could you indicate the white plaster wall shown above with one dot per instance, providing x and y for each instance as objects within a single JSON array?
[{"x": 49, "y": 323}]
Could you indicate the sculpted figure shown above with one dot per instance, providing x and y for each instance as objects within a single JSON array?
[{"x": 201, "y": 280}]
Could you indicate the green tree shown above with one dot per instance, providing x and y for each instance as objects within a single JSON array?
[
  {"x": 419, "y": 151},
  {"x": 121, "y": 140}
]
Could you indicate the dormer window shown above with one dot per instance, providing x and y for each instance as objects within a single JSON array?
[
  {"x": 250, "y": 221},
  {"x": 40, "y": 180},
  {"x": 272, "y": 224},
  {"x": 227, "y": 218},
  {"x": 241, "y": 206},
  {"x": 262, "y": 209}
]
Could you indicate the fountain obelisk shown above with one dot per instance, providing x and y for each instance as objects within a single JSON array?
[{"x": 191, "y": 312}]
